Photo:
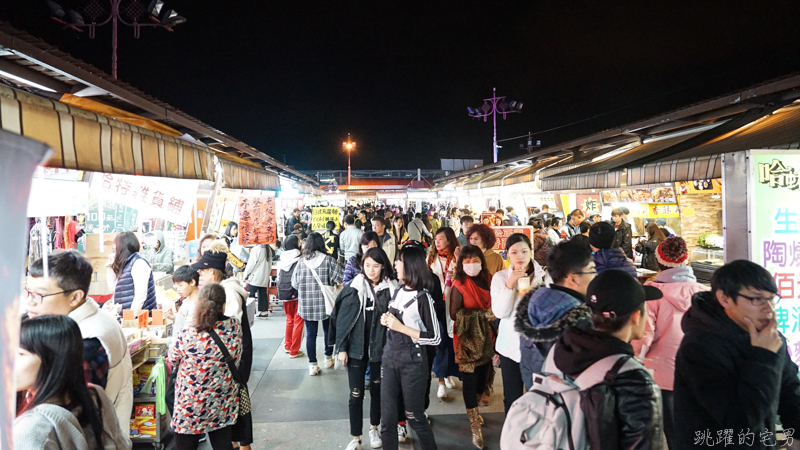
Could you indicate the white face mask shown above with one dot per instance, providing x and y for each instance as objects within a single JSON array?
[{"x": 472, "y": 269}]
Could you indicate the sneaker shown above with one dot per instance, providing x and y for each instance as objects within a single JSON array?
[
  {"x": 375, "y": 438},
  {"x": 263, "y": 315},
  {"x": 442, "y": 393},
  {"x": 329, "y": 362},
  {"x": 287, "y": 350},
  {"x": 313, "y": 370},
  {"x": 355, "y": 444},
  {"x": 402, "y": 433},
  {"x": 449, "y": 383},
  {"x": 299, "y": 354}
]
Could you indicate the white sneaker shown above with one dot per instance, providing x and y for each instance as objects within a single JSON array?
[
  {"x": 449, "y": 383},
  {"x": 375, "y": 438},
  {"x": 329, "y": 362},
  {"x": 355, "y": 444},
  {"x": 442, "y": 393},
  {"x": 402, "y": 433},
  {"x": 313, "y": 370}
]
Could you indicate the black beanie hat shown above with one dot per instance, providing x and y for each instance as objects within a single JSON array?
[{"x": 601, "y": 235}]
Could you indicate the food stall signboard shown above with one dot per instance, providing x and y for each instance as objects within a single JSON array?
[
  {"x": 163, "y": 198},
  {"x": 491, "y": 219},
  {"x": 321, "y": 215},
  {"x": 116, "y": 218},
  {"x": 774, "y": 180},
  {"x": 588, "y": 202},
  {"x": 257, "y": 224},
  {"x": 501, "y": 234}
]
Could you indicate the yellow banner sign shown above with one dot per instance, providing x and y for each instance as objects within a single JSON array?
[{"x": 321, "y": 215}]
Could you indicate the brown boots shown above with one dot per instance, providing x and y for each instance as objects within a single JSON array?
[{"x": 475, "y": 423}]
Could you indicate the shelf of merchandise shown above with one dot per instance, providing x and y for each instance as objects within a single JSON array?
[{"x": 162, "y": 428}]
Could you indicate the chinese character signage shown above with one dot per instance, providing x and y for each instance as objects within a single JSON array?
[
  {"x": 588, "y": 202},
  {"x": 257, "y": 223},
  {"x": 501, "y": 234},
  {"x": 775, "y": 233},
  {"x": 116, "y": 218},
  {"x": 170, "y": 199},
  {"x": 321, "y": 215}
]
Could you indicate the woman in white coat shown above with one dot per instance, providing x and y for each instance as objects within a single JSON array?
[{"x": 257, "y": 273}]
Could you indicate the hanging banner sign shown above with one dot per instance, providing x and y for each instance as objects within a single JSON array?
[
  {"x": 163, "y": 198},
  {"x": 116, "y": 218},
  {"x": 257, "y": 224},
  {"x": 775, "y": 232},
  {"x": 321, "y": 215}
]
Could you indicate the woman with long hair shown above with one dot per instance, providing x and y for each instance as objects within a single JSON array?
[
  {"x": 204, "y": 244},
  {"x": 506, "y": 294},
  {"x": 359, "y": 338},
  {"x": 647, "y": 248},
  {"x": 56, "y": 408},
  {"x": 288, "y": 295},
  {"x": 369, "y": 239},
  {"x": 314, "y": 269},
  {"x": 129, "y": 275},
  {"x": 541, "y": 248},
  {"x": 553, "y": 231},
  {"x": 257, "y": 274},
  {"x": 399, "y": 229},
  {"x": 412, "y": 324},
  {"x": 442, "y": 262},
  {"x": 212, "y": 270},
  {"x": 231, "y": 233},
  {"x": 483, "y": 237},
  {"x": 473, "y": 339},
  {"x": 206, "y": 395}
]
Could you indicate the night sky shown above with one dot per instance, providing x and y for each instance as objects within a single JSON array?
[{"x": 293, "y": 78}]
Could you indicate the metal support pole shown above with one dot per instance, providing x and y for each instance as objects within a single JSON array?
[
  {"x": 114, "y": 14},
  {"x": 348, "y": 168},
  {"x": 494, "y": 119}
]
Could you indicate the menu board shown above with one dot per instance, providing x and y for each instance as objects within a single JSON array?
[
  {"x": 321, "y": 215},
  {"x": 774, "y": 208},
  {"x": 116, "y": 218},
  {"x": 502, "y": 234},
  {"x": 257, "y": 223}
]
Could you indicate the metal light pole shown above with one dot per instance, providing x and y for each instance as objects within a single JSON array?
[
  {"x": 348, "y": 146},
  {"x": 491, "y": 106},
  {"x": 95, "y": 11}
]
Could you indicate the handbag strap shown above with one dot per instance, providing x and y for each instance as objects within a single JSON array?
[
  {"x": 316, "y": 277},
  {"x": 227, "y": 356}
]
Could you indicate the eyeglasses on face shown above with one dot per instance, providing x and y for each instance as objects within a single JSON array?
[
  {"x": 761, "y": 301},
  {"x": 37, "y": 299}
]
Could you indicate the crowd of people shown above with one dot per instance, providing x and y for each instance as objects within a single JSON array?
[{"x": 406, "y": 297}]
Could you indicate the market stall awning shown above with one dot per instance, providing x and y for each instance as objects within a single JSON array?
[
  {"x": 529, "y": 174},
  {"x": 477, "y": 181},
  {"x": 242, "y": 176}
]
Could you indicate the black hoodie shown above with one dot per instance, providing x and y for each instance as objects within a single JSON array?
[
  {"x": 722, "y": 382},
  {"x": 623, "y": 415}
]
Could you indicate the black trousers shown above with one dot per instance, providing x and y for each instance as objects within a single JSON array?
[
  {"x": 400, "y": 406},
  {"x": 263, "y": 298},
  {"x": 404, "y": 375},
  {"x": 473, "y": 384},
  {"x": 513, "y": 388},
  {"x": 668, "y": 405},
  {"x": 219, "y": 439},
  {"x": 356, "y": 370}
]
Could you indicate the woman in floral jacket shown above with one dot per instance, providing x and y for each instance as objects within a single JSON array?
[{"x": 206, "y": 399}]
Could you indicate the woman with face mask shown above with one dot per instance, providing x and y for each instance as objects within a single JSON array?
[
  {"x": 369, "y": 240},
  {"x": 473, "y": 340},
  {"x": 359, "y": 338},
  {"x": 483, "y": 237}
]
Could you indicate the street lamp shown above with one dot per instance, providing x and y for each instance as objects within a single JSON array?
[
  {"x": 99, "y": 14},
  {"x": 491, "y": 106},
  {"x": 348, "y": 146}
]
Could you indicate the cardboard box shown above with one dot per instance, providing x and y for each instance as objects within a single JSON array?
[{"x": 155, "y": 351}]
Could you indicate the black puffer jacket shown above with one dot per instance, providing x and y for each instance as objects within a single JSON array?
[
  {"x": 346, "y": 329},
  {"x": 625, "y": 415},
  {"x": 723, "y": 382}
]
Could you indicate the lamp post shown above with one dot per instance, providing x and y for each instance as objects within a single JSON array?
[
  {"x": 491, "y": 106},
  {"x": 348, "y": 146},
  {"x": 96, "y": 10}
]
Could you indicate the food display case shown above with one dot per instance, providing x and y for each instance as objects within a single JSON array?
[{"x": 706, "y": 261}]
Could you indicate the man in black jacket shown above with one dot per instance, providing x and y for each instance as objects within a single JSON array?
[
  {"x": 625, "y": 414},
  {"x": 295, "y": 219},
  {"x": 733, "y": 374}
]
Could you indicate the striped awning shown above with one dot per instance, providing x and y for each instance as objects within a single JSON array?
[{"x": 84, "y": 140}]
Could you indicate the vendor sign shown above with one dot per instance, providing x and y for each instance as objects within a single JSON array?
[
  {"x": 699, "y": 186},
  {"x": 321, "y": 215},
  {"x": 164, "y": 198},
  {"x": 257, "y": 224},
  {"x": 501, "y": 234},
  {"x": 491, "y": 219},
  {"x": 775, "y": 232},
  {"x": 651, "y": 210},
  {"x": 588, "y": 202},
  {"x": 116, "y": 218}
]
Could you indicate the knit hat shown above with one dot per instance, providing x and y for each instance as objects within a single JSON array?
[
  {"x": 601, "y": 235},
  {"x": 672, "y": 252},
  {"x": 615, "y": 293}
]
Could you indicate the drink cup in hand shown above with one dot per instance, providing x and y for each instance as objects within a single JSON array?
[{"x": 523, "y": 285}]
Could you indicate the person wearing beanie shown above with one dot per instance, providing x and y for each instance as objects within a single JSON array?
[
  {"x": 601, "y": 239},
  {"x": 662, "y": 334},
  {"x": 624, "y": 235}
]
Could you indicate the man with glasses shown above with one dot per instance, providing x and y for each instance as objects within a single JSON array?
[
  {"x": 733, "y": 373},
  {"x": 544, "y": 313},
  {"x": 105, "y": 349}
]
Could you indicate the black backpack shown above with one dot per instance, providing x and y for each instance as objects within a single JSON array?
[{"x": 285, "y": 289}]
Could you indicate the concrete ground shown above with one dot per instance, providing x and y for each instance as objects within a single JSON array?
[{"x": 292, "y": 410}]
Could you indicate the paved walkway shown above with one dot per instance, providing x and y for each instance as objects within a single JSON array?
[{"x": 292, "y": 410}]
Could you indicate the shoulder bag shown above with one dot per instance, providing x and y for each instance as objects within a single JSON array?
[
  {"x": 244, "y": 397},
  {"x": 328, "y": 292}
]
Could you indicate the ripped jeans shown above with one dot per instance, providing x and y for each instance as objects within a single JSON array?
[
  {"x": 356, "y": 369},
  {"x": 404, "y": 375}
]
